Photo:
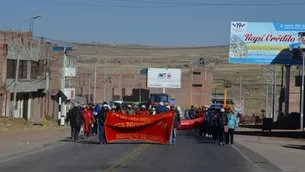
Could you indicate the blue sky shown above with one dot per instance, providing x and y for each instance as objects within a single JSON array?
[{"x": 181, "y": 25}]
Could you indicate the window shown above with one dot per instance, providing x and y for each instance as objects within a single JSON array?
[
  {"x": 11, "y": 69},
  {"x": 197, "y": 85},
  {"x": 34, "y": 69},
  {"x": 41, "y": 66},
  {"x": 159, "y": 97},
  {"x": 22, "y": 69},
  {"x": 70, "y": 82},
  {"x": 196, "y": 73}
]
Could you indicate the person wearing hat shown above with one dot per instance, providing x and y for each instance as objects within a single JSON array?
[
  {"x": 130, "y": 111},
  {"x": 136, "y": 109},
  {"x": 143, "y": 111},
  {"x": 161, "y": 108},
  {"x": 222, "y": 123},
  {"x": 101, "y": 120},
  {"x": 153, "y": 111}
]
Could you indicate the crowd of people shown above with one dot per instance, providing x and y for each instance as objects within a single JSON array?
[
  {"x": 218, "y": 123},
  {"x": 92, "y": 118}
]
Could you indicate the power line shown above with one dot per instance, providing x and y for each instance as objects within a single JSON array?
[
  {"x": 153, "y": 48},
  {"x": 96, "y": 5},
  {"x": 240, "y": 3},
  {"x": 162, "y": 4}
]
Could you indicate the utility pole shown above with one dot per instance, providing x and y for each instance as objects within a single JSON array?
[
  {"x": 120, "y": 87},
  {"x": 63, "y": 86},
  {"x": 240, "y": 87},
  {"x": 89, "y": 92},
  {"x": 95, "y": 70},
  {"x": 191, "y": 86},
  {"x": 109, "y": 83},
  {"x": 105, "y": 77}
]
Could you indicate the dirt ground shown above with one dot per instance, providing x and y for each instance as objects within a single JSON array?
[{"x": 9, "y": 125}]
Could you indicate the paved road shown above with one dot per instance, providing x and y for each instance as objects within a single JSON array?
[{"x": 190, "y": 154}]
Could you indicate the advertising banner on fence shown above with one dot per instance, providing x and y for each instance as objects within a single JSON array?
[
  {"x": 265, "y": 43},
  {"x": 163, "y": 78},
  {"x": 156, "y": 128}
]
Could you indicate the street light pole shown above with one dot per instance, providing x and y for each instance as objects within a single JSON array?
[{"x": 14, "y": 110}]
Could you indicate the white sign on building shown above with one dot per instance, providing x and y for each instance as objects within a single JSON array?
[{"x": 163, "y": 78}]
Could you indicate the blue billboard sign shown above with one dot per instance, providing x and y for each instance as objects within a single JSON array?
[
  {"x": 265, "y": 43},
  {"x": 61, "y": 48}
]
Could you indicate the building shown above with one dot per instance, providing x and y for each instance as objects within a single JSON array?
[
  {"x": 196, "y": 86},
  {"x": 59, "y": 56},
  {"x": 32, "y": 81}
]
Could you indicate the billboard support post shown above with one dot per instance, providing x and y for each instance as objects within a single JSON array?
[
  {"x": 163, "y": 91},
  {"x": 302, "y": 94}
]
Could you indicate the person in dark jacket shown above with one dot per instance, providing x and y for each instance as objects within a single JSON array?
[
  {"x": 101, "y": 120},
  {"x": 177, "y": 119},
  {"x": 76, "y": 118},
  {"x": 222, "y": 122},
  {"x": 161, "y": 108},
  {"x": 192, "y": 112}
]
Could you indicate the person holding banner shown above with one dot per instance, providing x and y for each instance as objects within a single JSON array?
[
  {"x": 177, "y": 120},
  {"x": 143, "y": 111},
  {"x": 101, "y": 120}
]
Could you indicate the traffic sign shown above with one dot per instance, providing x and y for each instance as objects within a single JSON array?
[
  {"x": 62, "y": 95},
  {"x": 239, "y": 106}
]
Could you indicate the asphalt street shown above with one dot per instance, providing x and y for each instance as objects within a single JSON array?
[{"x": 191, "y": 153}]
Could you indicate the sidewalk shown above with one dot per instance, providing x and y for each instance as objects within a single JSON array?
[
  {"x": 286, "y": 153},
  {"x": 17, "y": 142}
]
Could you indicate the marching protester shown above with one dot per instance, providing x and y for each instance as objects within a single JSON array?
[
  {"x": 119, "y": 109},
  {"x": 136, "y": 109},
  {"x": 153, "y": 111},
  {"x": 76, "y": 119},
  {"x": 232, "y": 124},
  {"x": 97, "y": 110},
  {"x": 208, "y": 125},
  {"x": 161, "y": 108},
  {"x": 222, "y": 122},
  {"x": 89, "y": 121},
  {"x": 202, "y": 126},
  {"x": 101, "y": 120},
  {"x": 143, "y": 111},
  {"x": 192, "y": 112},
  {"x": 130, "y": 110},
  {"x": 177, "y": 120}
]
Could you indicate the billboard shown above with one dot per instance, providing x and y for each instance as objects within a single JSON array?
[
  {"x": 265, "y": 43},
  {"x": 163, "y": 78}
]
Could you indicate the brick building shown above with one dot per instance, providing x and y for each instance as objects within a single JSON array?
[
  {"x": 196, "y": 86},
  {"x": 32, "y": 103}
]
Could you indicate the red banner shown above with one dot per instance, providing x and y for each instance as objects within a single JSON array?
[
  {"x": 153, "y": 128},
  {"x": 187, "y": 124}
]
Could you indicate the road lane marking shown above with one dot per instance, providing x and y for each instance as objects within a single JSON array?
[
  {"x": 31, "y": 152},
  {"x": 248, "y": 159},
  {"x": 125, "y": 159}
]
